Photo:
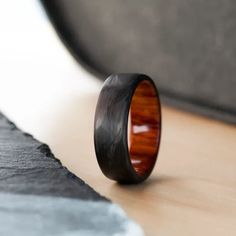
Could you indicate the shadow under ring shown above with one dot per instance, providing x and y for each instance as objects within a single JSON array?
[{"x": 127, "y": 153}]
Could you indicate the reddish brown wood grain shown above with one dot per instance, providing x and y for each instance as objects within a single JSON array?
[{"x": 145, "y": 127}]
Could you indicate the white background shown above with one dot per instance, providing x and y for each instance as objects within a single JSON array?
[{"x": 42, "y": 89}]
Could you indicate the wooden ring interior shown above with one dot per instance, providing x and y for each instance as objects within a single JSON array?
[{"x": 144, "y": 131}]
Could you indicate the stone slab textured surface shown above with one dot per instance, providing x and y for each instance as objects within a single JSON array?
[
  {"x": 39, "y": 196},
  {"x": 29, "y": 167},
  {"x": 188, "y": 47}
]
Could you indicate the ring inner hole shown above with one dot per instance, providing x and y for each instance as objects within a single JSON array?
[{"x": 144, "y": 130}]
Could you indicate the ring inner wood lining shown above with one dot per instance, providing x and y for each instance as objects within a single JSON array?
[{"x": 144, "y": 127}]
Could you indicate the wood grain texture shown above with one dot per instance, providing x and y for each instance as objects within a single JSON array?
[
  {"x": 192, "y": 190},
  {"x": 145, "y": 127}
]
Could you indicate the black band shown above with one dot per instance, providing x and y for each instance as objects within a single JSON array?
[{"x": 111, "y": 124}]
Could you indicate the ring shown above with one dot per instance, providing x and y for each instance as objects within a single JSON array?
[{"x": 127, "y": 127}]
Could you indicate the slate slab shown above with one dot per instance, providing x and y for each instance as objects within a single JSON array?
[
  {"x": 39, "y": 196},
  {"x": 29, "y": 167}
]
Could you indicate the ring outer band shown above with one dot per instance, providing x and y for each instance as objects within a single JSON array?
[{"x": 110, "y": 127}]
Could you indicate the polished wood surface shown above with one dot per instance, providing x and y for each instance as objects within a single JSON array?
[
  {"x": 145, "y": 127},
  {"x": 192, "y": 190}
]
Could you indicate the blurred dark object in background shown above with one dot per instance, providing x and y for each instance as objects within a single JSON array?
[{"x": 188, "y": 46}]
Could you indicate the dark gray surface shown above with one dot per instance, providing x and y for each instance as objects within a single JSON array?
[
  {"x": 188, "y": 47},
  {"x": 38, "y": 196},
  {"x": 28, "y": 167}
]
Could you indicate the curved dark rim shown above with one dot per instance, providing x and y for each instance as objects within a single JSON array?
[{"x": 134, "y": 176}]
